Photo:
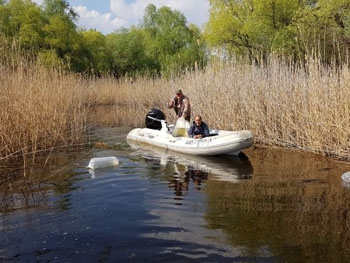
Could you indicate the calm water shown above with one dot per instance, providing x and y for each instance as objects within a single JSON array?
[{"x": 268, "y": 205}]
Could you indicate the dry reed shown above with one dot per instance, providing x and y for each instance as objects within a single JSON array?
[
  {"x": 41, "y": 111},
  {"x": 305, "y": 108},
  {"x": 286, "y": 105}
]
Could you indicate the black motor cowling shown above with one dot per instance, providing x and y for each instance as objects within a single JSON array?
[{"x": 152, "y": 118}]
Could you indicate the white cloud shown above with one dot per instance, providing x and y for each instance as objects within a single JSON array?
[
  {"x": 132, "y": 12},
  {"x": 39, "y": 2},
  {"x": 195, "y": 11},
  {"x": 126, "y": 13},
  {"x": 104, "y": 23}
]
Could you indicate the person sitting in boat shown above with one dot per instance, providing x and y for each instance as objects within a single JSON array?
[
  {"x": 199, "y": 129},
  {"x": 181, "y": 105}
]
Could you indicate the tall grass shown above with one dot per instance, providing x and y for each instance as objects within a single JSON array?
[
  {"x": 306, "y": 108},
  {"x": 41, "y": 110},
  {"x": 286, "y": 105},
  {"x": 283, "y": 104}
]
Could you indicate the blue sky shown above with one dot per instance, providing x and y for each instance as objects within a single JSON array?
[{"x": 107, "y": 16}]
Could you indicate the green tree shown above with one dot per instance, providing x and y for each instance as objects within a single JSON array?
[
  {"x": 161, "y": 44},
  {"x": 169, "y": 41},
  {"x": 4, "y": 21},
  {"x": 126, "y": 50},
  {"x": 96, "y": 45},
  {"x": 61, "y": 8},
  {"x": 62, "y": 36},
  {"x": 252, "y": 28},
  {"x": 324, "y": 29},
  {"x": 22, "y": 20},
  {"x": 292, "y": 28}
]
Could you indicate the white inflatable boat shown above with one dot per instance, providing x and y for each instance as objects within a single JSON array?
[{"x": 219, "y": 141}]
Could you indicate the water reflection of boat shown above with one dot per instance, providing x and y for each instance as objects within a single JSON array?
[{"x": 220, "y": 167}]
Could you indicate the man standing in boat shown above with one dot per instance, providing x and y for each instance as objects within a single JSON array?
[{"x": 181, "y": 105}]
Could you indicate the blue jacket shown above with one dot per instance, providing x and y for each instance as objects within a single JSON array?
[{"x": 195, "y": 130}]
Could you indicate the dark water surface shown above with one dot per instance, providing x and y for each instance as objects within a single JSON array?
[{"x": 269, "y": 205}]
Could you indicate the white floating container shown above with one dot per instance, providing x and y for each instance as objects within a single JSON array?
[
  {"x": 103, "y": 162},
  {"x": 346, "y": 179}
]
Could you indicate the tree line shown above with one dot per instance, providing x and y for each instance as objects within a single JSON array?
[
  {"x": 164, "y": 44},
  {"x": 294, "y": 29}
]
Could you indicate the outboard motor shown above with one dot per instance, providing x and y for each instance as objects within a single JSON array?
[{"x": 153, "y": 117}]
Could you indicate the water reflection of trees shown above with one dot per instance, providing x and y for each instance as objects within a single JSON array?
[
  {"x": 16, "y": 191},
  {"x": 36, "y": 186},
  {"x": 294, "y": 208}
]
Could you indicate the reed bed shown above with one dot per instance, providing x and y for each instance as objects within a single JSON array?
[
  {"x": 41, "y": 111},
  {"x": 305, "y": 108}
]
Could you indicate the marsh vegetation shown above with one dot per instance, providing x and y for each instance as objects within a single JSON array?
[
  {"x": 306, "y": 108},
  {"x": 280, "y": 70}
]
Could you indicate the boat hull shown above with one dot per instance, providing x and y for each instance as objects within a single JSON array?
[{"x": 224, "y": 142}]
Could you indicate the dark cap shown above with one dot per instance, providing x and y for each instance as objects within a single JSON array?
[{"x": 179, "y": 91}]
